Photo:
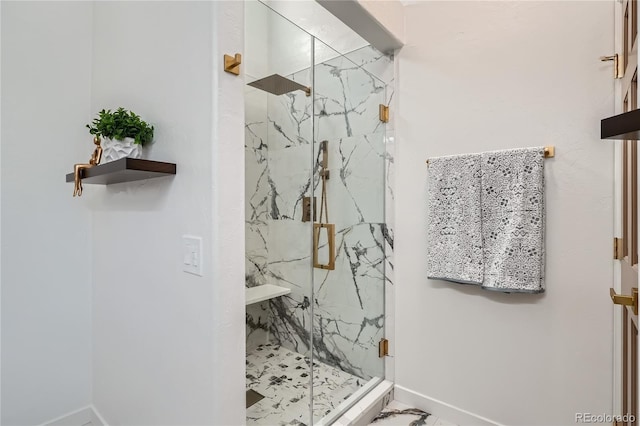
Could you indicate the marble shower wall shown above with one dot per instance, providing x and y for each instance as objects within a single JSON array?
[{"x": 348, "y": 302}]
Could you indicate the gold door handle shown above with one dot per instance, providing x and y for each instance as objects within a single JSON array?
[
  {"x": 619, "y": 299},
  {"x": 618, "y": 71},
  {"x": 331, "y": 236}
]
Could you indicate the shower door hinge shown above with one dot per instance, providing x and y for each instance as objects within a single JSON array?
[
  {"x": 618, "y": 248},
  {"x": 384, "y": 113},
  {"x": 383, "y": 348}
]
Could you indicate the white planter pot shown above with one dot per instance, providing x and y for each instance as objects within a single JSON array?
[{"x": 113, "y": 149}]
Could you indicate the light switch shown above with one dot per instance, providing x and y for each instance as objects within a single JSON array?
[{"x": 192, "y": 254}]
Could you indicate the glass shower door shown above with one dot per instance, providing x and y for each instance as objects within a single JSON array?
[
  {"x": 349, "y": 245},
  {"x": 315, "y": 159},
  {"x": 278, "y": 150}
]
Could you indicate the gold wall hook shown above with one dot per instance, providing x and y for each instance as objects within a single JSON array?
[{"x": 232, "y": 63}]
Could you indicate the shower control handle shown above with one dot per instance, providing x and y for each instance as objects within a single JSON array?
[{"x": 307, "y": 209}]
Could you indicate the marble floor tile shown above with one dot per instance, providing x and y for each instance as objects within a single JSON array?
[
  {"x": 398, "y": 414},
  {"x": 282, "y": 377}
]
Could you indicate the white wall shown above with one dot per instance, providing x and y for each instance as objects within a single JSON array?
[
  {"x": 228, "y": 219},
  {"x": 163, "y": 338},
  {"x": 478, "y": 76},
  {"x": 46, "y": 233}
]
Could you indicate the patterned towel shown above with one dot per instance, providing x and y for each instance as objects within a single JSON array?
[
  {"x": 454, "y": 219},
  {"x": 513, "y": 220}
]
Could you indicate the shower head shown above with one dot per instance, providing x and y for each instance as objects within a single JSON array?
[{"x": 279, "y": 85}]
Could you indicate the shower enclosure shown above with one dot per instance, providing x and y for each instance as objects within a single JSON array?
[{"x": 316, "y": 234}]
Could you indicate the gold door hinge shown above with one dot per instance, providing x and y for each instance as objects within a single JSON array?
[
  {"x": 383, "y": 348},
  {"x": 618, "y": 248},
  {"x": 384, "y": 113},
  {"x": 618, "y": 70}
]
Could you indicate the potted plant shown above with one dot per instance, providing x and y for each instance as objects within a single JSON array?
[{"x": 123, "y": 134}]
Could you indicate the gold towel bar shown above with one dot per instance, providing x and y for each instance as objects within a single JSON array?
[{"x": 549, "y": 152}]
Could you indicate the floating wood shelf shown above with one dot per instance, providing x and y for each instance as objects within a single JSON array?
[
  {"x": 264, "y": 292},
  {"x": 624, "y": 126},
  {"x": 125, "y": 170}
]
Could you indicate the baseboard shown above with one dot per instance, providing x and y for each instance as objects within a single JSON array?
[
  {"x": 441, "y": 409},
  {"x": 96, "y": 418},
  {"x": 82, "y": 417},
  {"x": 79, "y": 417}
]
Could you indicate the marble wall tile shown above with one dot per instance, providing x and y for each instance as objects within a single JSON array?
[
  {"x": 257, "y": 325},
  {"x": 290, "y": 266},
  {"x": 256, "y": 211},
  {"x": 256, "y": 157},
  {"x": 291, "y": 322},
  {"x": 374, "y": 62},
  {"x": 349, "y": 303},
  {"x": 346, "y": 100},
  {"x": 287, "y": 188},
  {"x": 355, "y": 189},
  {"x": 290, "y": 116},
  {"x": 256, "y": 254},
  {"x": 289, "y": 248}
]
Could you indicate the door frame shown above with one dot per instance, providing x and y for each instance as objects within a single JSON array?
[
  {"x": 617, "y": 223},
  {"x": 617, "y": 220}
]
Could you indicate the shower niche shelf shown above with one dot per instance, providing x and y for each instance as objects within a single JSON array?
[
  {"x": 125, "y": 170},
  {"x": 264, "y": 292}
]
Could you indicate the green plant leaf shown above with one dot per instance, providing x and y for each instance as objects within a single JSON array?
[{"x": 121, "y": 124}]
